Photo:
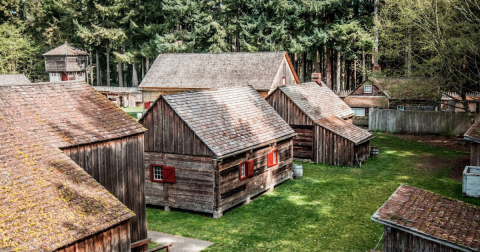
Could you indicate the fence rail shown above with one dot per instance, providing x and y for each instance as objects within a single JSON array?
[{"x": 421, "y": 122}]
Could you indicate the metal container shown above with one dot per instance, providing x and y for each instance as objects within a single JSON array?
[
  {"x": 374, "y": 151},
  {"x": 471, "y": 181},
  {"x": 297, "y": 171}
]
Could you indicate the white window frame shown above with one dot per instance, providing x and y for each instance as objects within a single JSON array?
[
  {"x": 243, "y": 170},
  {"x": 274, "y": 159},
  {"x": 365, "y": 89},
  {"x": 157, "y": 170},
  {"x": 401, "y": 107},
  {"x": 358, "y": 110}
]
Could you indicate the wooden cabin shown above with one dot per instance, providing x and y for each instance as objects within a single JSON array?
[
  {"x": 210, "y": 150},
  {"x": 127, "y": 97},
  {"x": 48, "y": 202},
  {"x": 473, "y": 135},
  {"x": 319, "y": 117},
  {"x": 453, "y": 102},
  {"x": 96, "y": 134},
  {"x": 418, "y": 220},
  {"x": 180, "y": 72},
  {"x": 66, "y": 63},
  {"x": 367, "y": 95},
  {"x": 9, "y": 79}
]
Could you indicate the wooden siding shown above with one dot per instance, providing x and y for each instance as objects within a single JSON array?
[
  {"x": 397, "y": 240},
  {"x": 303, "y": 142},
  {"x": 117, "y": 165},
  {"x": 283, "y": 70},
  {"x": 375, "y": 91},
  {"x": 167, "y": 133},
  {"x": 232, "y": 190},
  {"x": 193, "y": 187},
  {"x": 116, "y": 238},
  {"x": 65, "y": 63},
  {"x": 287, "y": 109},
  {"x": 475, "y": 154}
]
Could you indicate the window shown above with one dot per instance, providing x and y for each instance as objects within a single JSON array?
[
  {"x": 400, "y": 107},
  {"x": 246, "y": 169},
  {"x": 272, "y": 158},
  {"x": 367, "y": 89},
  {"x": 147, "y": 105},
  {"x": 359, "y": 111},
  {"x": 162, "y": 173},
  {"x": 284, "y": 81}
]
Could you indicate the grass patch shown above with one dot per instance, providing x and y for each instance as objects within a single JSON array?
[
  {"x": 133, "y": 111},
  {"x": 328, "y": 210}
]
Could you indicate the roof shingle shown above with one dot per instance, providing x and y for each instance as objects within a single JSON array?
[
  {"x": 473, "y": 133},
  {"x": 366, "y": 101},
  {"x": 70, "y": 113},
  {"x": 324, "y": 107},
  {"x": 228, "y": 120},
  {"x": 433, "y": 215},
  {"x": 46, "y": 200},
  {"x": 214, "y": 70}
]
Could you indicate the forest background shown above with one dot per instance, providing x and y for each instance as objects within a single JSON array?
[{"x": 342, "y": 39}]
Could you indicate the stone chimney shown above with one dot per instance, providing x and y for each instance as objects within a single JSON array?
[{"x": 317, "y": 77}]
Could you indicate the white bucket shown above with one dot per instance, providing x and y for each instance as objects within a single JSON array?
[
  {"x": 297, "y": 171},
  {"x": 139, "y": 115}
]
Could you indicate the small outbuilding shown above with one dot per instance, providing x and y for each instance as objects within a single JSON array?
[
  {"x": 367, "y": 95},
  {"x": 473, "y": 135},
  {"x": 66, "y": 63},
  {"x": 418, "y": 220},
  {"x": 9, "y": 79},
  {"x": 179, "y": 72},
  {"x": 97, "y": 135},
  {"x": 47, "y": 201},
  {"x": 210, "y": 150},
  {"x": 320, "y": 117}
]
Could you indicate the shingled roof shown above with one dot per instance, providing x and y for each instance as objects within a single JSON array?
[
  {"x": 69, "y": 113},
  {"x": 65, "y": 50},
  {"x": 214, "y": 70},
  {"x": 9, "y": 79},
  {"x": 473, "y": 133},
  {"x": 413, "y": 210},
  {"x": 324, "y": 107},
  {"x": 366, "y": 101},
  {"x": 228, "y": 120},
  {"x": 46, "y": 200}
]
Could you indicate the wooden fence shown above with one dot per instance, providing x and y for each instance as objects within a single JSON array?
[{"x": 422, "y": 122}]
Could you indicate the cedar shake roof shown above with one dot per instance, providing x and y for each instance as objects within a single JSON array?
[
  {"x": 407, "y": 88},
  {"x": 366, "y": 101},
  {"x": 324, "y": 107},
  {"x": 429, "y": 214},
  {"x": 215, "y": 70},
  {"x": 12, "y": 79},
  {"x": 473, "y": 133},
  {"x": 46, "y": 200},
  {"x": 69, "y": 113},
  {"x": 65, "y": 50},
  {"x": 228, "y": 120}
]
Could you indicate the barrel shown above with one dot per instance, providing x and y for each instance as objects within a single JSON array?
[
  {"x": 374, "y": 151},
  {"x": 139, "y": 115},
  {"x": 297, "y": 171}
]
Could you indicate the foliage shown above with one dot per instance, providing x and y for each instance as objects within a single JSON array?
[{"x": 328, "y": 210}]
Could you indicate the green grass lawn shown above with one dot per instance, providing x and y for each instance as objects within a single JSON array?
[
  {"x": 328, "y": 210},
  {"x": 133, "y": 111}
]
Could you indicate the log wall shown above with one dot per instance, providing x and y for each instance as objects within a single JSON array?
[
  {"x": 194, "y": 182},
  {"x": 232, "y": 190},
  {"x": 118, "y": 166},
  {"x": 287, "y": 109},
  {"x": 397, "y": 240},
  {"x": 475, "y": 154},
  {"x": 303, "y": 142},
  {"x": 167, "y": 133},
  {"x": 116, "y": 238}
]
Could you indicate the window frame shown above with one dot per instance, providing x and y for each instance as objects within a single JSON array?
[
  {"x": 163, "y": 169},
  {"x": 274, "y": 157},
  {"x": 245, "y": 164},
  {"x": 359, "y": 109},
  {"x": 284, "y": 80},
  {"x": 401, "y": 106},
  {"x": 371, "y": 89}
]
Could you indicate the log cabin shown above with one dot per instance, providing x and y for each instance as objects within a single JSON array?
[
  {"x": 96, "y": 134},
  {"x": 66, "y": 63},
  {"x": 418, "y": 220},
  {"x": 319, "y": 117},
  {"x": 48, "y": 202},
  {"x": 172, "y": 73},
  {"x": 8, "y": 79},
  {"x": 210, "y": 150},
  {"x": 367, "y": 95},
  {"x": 473, "y": 135}
]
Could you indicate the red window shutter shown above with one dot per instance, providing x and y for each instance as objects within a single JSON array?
[
  {"x": 250, "y": 168},
  {"x": 168, "y": 174},
  {"x": 270, "y": 159},
  {"x": 146, "y": 105}
]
